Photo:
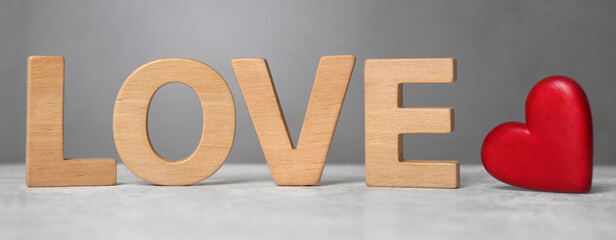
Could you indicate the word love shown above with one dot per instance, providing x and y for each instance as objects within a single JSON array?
[{"x": 385, "y": 122}]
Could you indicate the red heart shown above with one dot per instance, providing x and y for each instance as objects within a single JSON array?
[{"x": 553, "y": 150}]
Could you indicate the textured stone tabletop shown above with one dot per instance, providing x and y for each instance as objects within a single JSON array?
[{"x": 242, "y": 202}]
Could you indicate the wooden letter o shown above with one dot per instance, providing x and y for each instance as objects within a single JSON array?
[{"x": 130, "y": 118}]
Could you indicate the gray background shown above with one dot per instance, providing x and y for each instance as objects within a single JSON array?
[{"x": 503, "y": 48}]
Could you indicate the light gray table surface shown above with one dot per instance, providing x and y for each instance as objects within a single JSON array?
[{"x": 242, "y": 202}]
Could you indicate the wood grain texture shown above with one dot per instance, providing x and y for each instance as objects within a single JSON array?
[
  {"x": 45, "y": 163},
  {"x": 552, "y": 151},
  {"x": 303, "y": 164},
  {"x": 386, "y": 120},
  {"x": 131, "y": 115}
]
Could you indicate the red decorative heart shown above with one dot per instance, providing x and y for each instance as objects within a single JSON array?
[{"x": 553, "y": 150}]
